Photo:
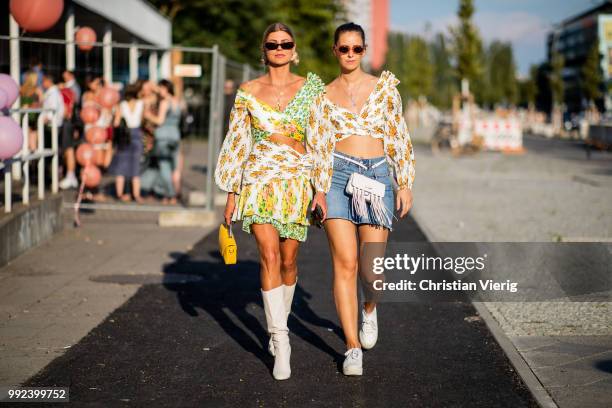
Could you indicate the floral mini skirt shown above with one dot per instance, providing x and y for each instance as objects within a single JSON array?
[{"x": 275, "y": 191}]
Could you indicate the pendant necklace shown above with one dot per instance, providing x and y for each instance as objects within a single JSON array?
[
  {"x": 352, "y": 94},
  {"x": 279, "y": 95}
]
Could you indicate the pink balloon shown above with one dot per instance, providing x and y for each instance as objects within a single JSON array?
[
  {"x": 89, "y": 114},
  {"x": 36, "y": 15},
  {"x": 3, "y": 99},
  {"x": 11, "y": 138},
  {"x": 108, "y": 97},
  {"x": 8, "y": 85},
  {"x": 95, "y": 135},
  {"x": 91, "y": 175},
  {"x": 84, "y": 154},
  {"x": 84, "y": 37}
]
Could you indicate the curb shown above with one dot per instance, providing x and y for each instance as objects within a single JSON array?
[{"x": 532, "y": 382}]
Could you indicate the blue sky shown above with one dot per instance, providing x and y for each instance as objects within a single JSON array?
[{"x": 525, "y": 23}]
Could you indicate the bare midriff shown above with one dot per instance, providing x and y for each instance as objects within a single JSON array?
[
  {"x": 289, "y": 141},
  {"x": 364, "y": 147}
]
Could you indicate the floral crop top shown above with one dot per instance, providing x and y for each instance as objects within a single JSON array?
[
  {"x": 380, "y": 117},
  {"x": 252, "y": 120}
]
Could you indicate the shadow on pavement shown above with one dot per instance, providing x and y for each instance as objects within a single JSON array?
[{"x": 231, "y": 296}]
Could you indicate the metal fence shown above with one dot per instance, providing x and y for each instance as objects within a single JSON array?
[
  {"x": 13, "y": 170},
  {"x": 205, "y": 96}
]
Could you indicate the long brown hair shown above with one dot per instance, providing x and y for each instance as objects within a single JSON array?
[{"x": 272, "y": 28}]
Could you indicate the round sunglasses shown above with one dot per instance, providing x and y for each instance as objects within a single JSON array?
[
  {"x": 271, "y": 46},
  {"x": 357, "y": 49}
]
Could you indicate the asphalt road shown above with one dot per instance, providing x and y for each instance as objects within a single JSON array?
[{"x": 203, "y": 343}]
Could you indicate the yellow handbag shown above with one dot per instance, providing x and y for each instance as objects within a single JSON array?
[{"x": 227, "y": 244}]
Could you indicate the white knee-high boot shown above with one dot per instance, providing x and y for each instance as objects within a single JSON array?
[
  {"x": 276, "y": 320},
  {"x": 288, "y": 291}
]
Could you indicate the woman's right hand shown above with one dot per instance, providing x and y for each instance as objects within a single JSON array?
[
  {"x": 320, "y": 199},
  {"x": 230, "y": 205}
]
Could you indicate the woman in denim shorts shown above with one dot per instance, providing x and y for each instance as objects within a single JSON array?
[{"x": 358, "y": 127}]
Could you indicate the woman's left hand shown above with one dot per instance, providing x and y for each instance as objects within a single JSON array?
[{"x": 403, "y": 201}]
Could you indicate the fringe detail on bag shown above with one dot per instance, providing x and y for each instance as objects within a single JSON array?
[
  {"x": 358, "y": 202},
  {"x": 380, "y": 213}
]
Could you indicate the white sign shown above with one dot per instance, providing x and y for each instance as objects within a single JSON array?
[{"x": 188, "y": 70}]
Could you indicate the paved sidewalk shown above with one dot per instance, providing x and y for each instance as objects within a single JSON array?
[
  {"x": 552, "y": 193},
  {"x": 53, "y": 295},
  {"x": 203, "y": 343}
]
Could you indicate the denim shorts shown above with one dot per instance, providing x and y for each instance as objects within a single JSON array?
[{"x": 339, "y": 202}]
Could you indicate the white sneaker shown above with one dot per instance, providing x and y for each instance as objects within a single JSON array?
[
  {"x": 353, "y": 363},
  {"x": 368, "y": 334},
  {"x": 70, "y": 181}
]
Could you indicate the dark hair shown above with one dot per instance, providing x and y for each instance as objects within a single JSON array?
[
  {"x": 168, "y": 85},
  {"x": 49, "y": 76},
  {"x": 347, "y": 28},
  {"x": 91, "y": 78},
  {"x": 131, "y": 92},
  {"x": 34, "y": 61},
  {"x": 272, "y": 28}
]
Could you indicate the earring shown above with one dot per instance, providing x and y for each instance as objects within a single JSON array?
[{"x": 295, "y": 58}]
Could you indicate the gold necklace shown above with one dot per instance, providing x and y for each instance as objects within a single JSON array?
[{"x": 279, "y": 94}]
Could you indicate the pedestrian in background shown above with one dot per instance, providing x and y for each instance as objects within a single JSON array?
[
  {"x": 159, "y": 179},
  {"x": 128, "y": 142},
  {"x": 31, "y": 98}
]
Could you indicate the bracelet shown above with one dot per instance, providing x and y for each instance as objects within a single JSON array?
[{"x": 402, "y": 187}]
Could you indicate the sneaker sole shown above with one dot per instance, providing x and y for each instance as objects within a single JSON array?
[
  {"x": 364, "y": 345},
  {"x": 353, "y": 371}
]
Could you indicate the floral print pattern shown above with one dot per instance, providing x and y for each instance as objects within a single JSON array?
[
  {"x": 380, "y": 117},
  {"x": 272, "y": 179}
]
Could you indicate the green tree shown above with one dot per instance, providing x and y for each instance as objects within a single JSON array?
[
  {"x": 418, "y": 69},
  {"x": 555, "y": 78},
  {"x": 467, "y": 47},
  {"x": 529, "y": 88},
  {"x": 591, "y": 74},
  {"x": 501, "y": 83},
  {"x": 395, "y": 59},
  {"x": 444, "y": 76},
  {"x": 237, "y": 26}
]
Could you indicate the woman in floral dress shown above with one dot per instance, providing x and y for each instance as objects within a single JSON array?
[{"x": 265, "y": 169}]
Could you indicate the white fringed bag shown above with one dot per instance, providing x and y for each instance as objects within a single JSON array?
[{"x": 365, "y": 190}]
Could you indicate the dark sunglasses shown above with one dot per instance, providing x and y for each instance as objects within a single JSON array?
[
  {"x": 357, "y": 49},
  {"x": 271, "y": 46}
]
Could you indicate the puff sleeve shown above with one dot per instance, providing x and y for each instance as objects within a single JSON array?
[
  {"x": 235, "y": 149},
  {"x": 320, "y": 144},
  {"x": 398, "y": 145}
]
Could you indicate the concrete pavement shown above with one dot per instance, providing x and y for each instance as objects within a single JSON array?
[{"x": 551, "y": 193}]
